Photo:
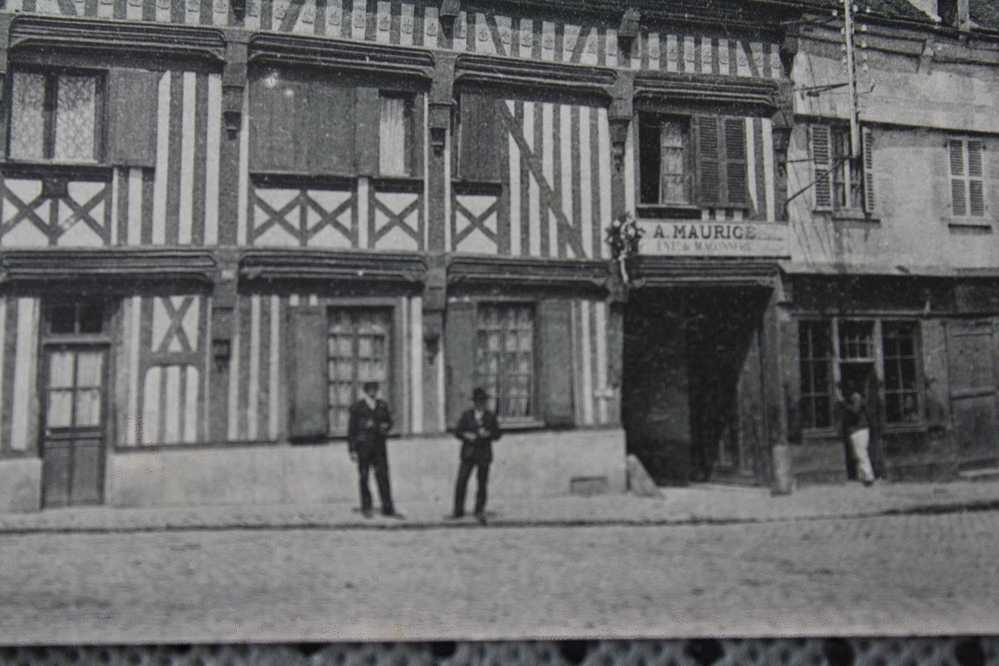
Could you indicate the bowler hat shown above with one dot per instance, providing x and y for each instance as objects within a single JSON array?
[
  {"x": 369, "y": 386},
  {"x": 479, "y": 394}
]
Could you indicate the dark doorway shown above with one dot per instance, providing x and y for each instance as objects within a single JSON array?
[{"x": 692, "y": 394}]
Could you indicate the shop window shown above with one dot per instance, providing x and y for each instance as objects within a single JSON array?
[
  {"x": 358, "y": 351},
  {"x": 842, "y": 183},
  {"x": 967, "y": 180},
  {"x": 900, "y": 367},
  {"x": 853, "y": 353},
  {"x": 504, "y": 356},
  {"x": 815, "y": 351},
  {"x": 55, "y": 116},
  {"x": 395, "y": 135},
  {"x": 664, "y": 154}
]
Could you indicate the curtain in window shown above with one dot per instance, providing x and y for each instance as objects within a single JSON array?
[
  {"x": 392, "y": 137},
  {"x": 27, "y": 125},
  {"x": 74, "y": 122},
  {"x": 673, "y": 174}
]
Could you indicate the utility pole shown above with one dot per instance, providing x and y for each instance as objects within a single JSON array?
[{"x": 851, "y": 74}]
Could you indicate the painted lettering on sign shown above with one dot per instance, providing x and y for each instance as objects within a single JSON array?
[{"x": 765, "y": 239}]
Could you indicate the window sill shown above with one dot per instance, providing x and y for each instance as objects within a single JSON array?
[
  {"x": 507, "y": 424},
  {"x": 42, "y": 168},
  {"x": 397, "y": 183},
  {"x": 852, "y": 215},
  {"x": 970, "y": 225},
  {"x": 462, "y": 186},
  {"x": 669, "y": 211}
]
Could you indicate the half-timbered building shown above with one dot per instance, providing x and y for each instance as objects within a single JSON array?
[{"x": 219, "y": 217}]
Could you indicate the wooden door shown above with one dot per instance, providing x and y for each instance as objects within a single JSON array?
[
  {"x": 971, "y": 358},
  {"x": 74, "y": 380}
]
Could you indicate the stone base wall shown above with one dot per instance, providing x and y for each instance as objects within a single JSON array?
[{"x": 526, "y": 465}]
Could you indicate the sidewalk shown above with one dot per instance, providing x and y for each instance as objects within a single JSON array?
[{"x": 700, "y": 504}]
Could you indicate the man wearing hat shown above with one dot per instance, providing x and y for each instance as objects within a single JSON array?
[
  {"x": 370, "y": 422},
  {"x": 477, "y": 429}
]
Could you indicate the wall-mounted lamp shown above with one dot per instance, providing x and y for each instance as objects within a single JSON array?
[
  {"x": 450, "y": 9},
  {"x": 782, "y": 140},
  {"x": 238, "y": 8},
  {"x": 232, "y": 109},
  {"x": 619, "y": 139},
  {"x": 221, "y": 352},
  {"x": 439, "y": 122}
]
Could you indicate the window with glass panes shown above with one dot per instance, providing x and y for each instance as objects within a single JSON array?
[
  {"x": 75, "y": 366},
  {"x": 504, "y": 356},
  {"x": 55, "y": 116},
  {"x": 395, "y": 134},
  {"x": 665, "y": 172},
  {"x": 858, "y": 349},
  {"x": 900, "y": 363},
  {"x": 815, "y": 351},
  {"x": 359, "y": 351},
  {"x": 847, "y": 188}
]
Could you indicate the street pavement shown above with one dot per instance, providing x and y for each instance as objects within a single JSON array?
[
  {"x": 882, "y": 575},
  {"x": 695, "y": 505}
]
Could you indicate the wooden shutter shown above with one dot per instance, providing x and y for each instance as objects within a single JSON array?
[
  {"x": 331, "y": 121},
  {"x": 132, "y": 98},
  {"x": 870, "y": 201},
  {"x": 368, "y": 113},
  {"x": 709, "y": 181},
  {"x": 309, "y": 409},
  {"x": 279, "y": 124},
  {"x": 459, "y": 352},
  {"x": 736, "y": 190},
  {"x": 958, "y": 193},
  {"x": 479, "y": 128},
  {"x": 822, "y": 162},
  {"x": 976, "y": 176},
  {"x": 555, "y": 354}
]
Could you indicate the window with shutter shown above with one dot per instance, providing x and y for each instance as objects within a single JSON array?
[
  {"x": 967, "y": 177},
  {"x": 665, "y": 176},
  {"x": 737, "y": 193},
  {"x": 301, "y": 124},
  {"x": 308, "y": 411},
  {"x": 709, "y": 181},
  {"x": 56, "y": 116},
  {"x": 869, "y": 198},
  {"x": 132, "y": 98},
  {"x": 395, "y": 135},
  {"x": 555, "y": 354},
  {"x": 478, "y": 137},
  {"x": 821, "y": 162}
]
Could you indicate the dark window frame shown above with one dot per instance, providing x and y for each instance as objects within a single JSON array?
[
  {"x": 650, "y": 118},
  {"x": 52, "y": 74},
  {"x": 534, "y": 417}
]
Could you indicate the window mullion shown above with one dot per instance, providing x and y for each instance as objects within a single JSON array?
[{"x": 834, "y": 332}]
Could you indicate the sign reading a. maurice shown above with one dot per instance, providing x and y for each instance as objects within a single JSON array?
[{"x": 710, "y": 238}]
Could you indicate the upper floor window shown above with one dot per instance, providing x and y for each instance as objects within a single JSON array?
[
  {"x": 666, "y": 171},
  {"x": 395, "y": 134},
  {"x": 325, "y": 125},
  {"x": 967, "y": 177},
  {"x": 55, "y": 116},
  {"x": 841, "y": 182},
  {"x": 698, "y": 159}
]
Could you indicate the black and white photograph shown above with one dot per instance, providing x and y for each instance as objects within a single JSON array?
[{"x": 499, "y": 332}]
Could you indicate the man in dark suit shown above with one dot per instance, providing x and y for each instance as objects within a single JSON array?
[
  {"x": 477, "y": 429},
  {"x": 370, "y": 422}
]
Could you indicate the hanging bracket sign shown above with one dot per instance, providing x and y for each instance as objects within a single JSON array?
[{"x": 709, "y": 238}]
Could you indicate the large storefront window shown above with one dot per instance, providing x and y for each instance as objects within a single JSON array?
[
  {"x": 504, "y": 356},
  {"x": 856, "y": 354}
]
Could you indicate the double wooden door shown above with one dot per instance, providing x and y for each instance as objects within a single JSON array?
[
  {"x": 971, "y": 354},
  {"x": 74, "y": 378}
]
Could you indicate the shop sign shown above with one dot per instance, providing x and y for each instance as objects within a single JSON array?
[{"x": 709, "y": 238}]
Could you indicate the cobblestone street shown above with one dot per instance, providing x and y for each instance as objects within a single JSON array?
[{"x": 887, "y": 575}]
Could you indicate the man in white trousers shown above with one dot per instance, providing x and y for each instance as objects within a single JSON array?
[{"x": 857, "y": 427}]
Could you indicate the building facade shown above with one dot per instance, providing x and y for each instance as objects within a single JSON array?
[{"x": 219, "y": 218}]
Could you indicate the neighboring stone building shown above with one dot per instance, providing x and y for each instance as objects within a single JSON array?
[{"x": 218, "y": 218}]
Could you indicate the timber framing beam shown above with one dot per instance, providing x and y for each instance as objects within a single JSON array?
[{"x": 339, "y": 54}]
